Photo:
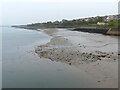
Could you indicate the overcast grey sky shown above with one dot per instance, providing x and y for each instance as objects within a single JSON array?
[{"x": 24, "y": 12}]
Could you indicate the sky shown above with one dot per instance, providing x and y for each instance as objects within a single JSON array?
[{"x": 19, "y": 12}]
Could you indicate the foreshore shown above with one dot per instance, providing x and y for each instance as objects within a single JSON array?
[
  {"x": 93, "y": 53},
  {"x": 104, "y": 31}
]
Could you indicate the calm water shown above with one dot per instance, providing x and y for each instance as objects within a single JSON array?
[
  {"x": 22, "y": 68},
  {"x": 0, "y": 58}
]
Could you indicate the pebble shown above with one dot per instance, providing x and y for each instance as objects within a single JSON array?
[
  {"x": 90, "y": 54},
  {"x": 109, "y": 57},
  {"x": 103, "y": 55},
  {"x": 98, "y": 81},
  {"x": 112, "y": 53}
]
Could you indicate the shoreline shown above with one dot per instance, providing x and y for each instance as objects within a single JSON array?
[
  {"x": 107, "y": 31},
  {"x": 94, "y": 58}
]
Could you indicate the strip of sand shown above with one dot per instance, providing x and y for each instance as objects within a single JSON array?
[{"x": 96, "y": 54}]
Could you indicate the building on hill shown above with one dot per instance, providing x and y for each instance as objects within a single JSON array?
[{"x": 102, "y": 23}]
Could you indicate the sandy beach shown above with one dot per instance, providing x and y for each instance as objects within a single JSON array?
[{"x": 95, "y": 54}]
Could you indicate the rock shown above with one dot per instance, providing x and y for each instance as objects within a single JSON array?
[
  {"x": 90, "y": 54},
  {"x": 114, "y": 59},
  {"x": 112, "y": 52},
  {"x": 108, "y": 56},
  {"x": 98, "y": 81},
  {"x": 99, "y": 59},
  {"x": 103, "y": 55}
]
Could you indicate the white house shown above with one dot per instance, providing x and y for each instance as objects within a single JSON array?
[{"x": 102, "y": 23}]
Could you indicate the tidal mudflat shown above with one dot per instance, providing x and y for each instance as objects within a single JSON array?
[{"x": 95, "y": 54}]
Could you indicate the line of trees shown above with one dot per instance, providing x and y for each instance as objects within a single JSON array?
[{"x": 76, "y": 23}]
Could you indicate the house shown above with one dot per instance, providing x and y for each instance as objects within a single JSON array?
[
  {"x": 101, "y": 23},
  {"x": 116, "y": 18},
  {"x": 86, "y": 19}
]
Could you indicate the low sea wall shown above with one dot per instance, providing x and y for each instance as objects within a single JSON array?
[
  {"x": 113, "y": 32},
  {"x": 101, "y": 31}
]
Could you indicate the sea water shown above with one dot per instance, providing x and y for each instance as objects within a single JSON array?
[{"x": 22, "y": 68}]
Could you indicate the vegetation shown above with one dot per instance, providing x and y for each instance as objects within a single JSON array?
[
  {"x": 114, "y": 24},
  {"x": 77, "y": 23}
]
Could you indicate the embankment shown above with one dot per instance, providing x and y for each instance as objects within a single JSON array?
[{"x": 109, "y": 31}]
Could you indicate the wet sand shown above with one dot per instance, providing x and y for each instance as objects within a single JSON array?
[{"x": 95, "y": 54}]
